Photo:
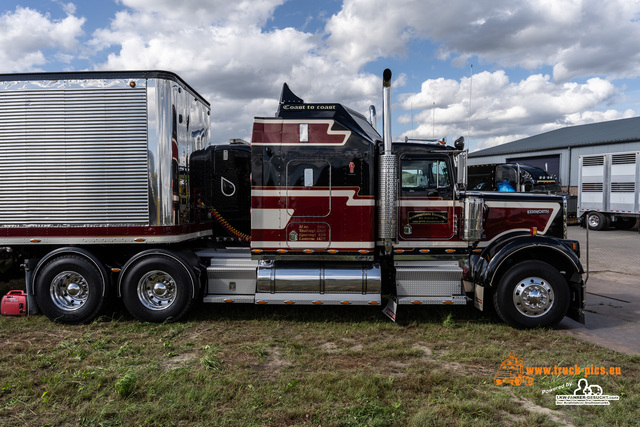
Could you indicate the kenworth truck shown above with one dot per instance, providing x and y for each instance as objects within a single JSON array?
[{"x": 109, "y": 188}]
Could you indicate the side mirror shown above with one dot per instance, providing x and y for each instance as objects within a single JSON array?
[
  {"x": 461, "y": 160},
  {"x": 459, "y": 143}
]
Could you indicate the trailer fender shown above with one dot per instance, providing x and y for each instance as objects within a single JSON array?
[
  {"x": 181, "y": 259},
  {"x": 70, "y": 251}
]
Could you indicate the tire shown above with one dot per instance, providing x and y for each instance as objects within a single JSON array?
[
  {"x": 624, "y": 223},
  {"x": 532, "y": 294},
  {"x": 157, "y": 289},
  {"x": 70, "y": 289},
  {"x": 597, "y": 221}
]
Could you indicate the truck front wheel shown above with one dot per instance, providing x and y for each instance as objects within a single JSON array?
[
  {"x": 532, "y": 294},
  {"x": 70, "y": 289},
  {"x": 157, "y": 289}
]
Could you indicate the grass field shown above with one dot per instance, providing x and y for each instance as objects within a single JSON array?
[{"x": 254, "y": 365}]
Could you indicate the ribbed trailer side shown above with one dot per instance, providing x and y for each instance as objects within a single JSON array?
[
  {"x": 73, "y": 156},
  {"x": 99, "y": 157}
]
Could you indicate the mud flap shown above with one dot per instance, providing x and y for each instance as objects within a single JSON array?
[
  {"x": 577, "y": 296},
  {"x": 391, "y": 308},
  {"x": 478, "y": 297}
]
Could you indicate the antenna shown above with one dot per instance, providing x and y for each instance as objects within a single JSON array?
[
  {"x": 469, "y": 118},
  {"x": 433, "y": 120}
]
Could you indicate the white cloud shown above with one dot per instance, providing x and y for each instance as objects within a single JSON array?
[
  {"x": 501, "y": 110},
  {"x": 234, "y": 62},
  {"x": 576, "y": 37},
  {"x": 26, "y": 34}
]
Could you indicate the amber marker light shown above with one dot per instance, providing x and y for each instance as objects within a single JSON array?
[
  {"x": 228, "y": 300},
  {"x": 35, "y": 240},
  {"x": 289, "y": 302},
  {"x": 132, "y": 84},
  {"x": 373, "y": 302},
  {"x": 308, "y": 251},
  {"x": 139, "y": 239},
  {"x": 534, "y": 231},
  {"x": 416, "y": 302},
  {"x": 332, "y": 251},
  {"x": 261, "y": 302},
  {"x": 477, "y": 251},
  {"x": 448, "y": 302},
  {"x": 450, "y": 251},
  {"x": 317, "y": 302},
  {"x": 424, "y": 251},
  {"x": 282, "y": 251},
  {"x": 257, "y": 251},
  {"x": 399, "y": 251},
  {"x": 363, "y": 251},
  {"x": 345, "y": 302},
  {"x": 115, "y": 270}
]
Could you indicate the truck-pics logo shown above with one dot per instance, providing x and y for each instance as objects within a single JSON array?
[{"x": 511, "y": 371}]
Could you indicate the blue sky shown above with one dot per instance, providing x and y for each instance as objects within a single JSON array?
[{"x": 537, "y": 65}]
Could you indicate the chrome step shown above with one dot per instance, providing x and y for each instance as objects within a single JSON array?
[
  {"x": 428, "y": 279},
  {"x": 452, "y": 300},
  {"x": 317, "y": 299}
]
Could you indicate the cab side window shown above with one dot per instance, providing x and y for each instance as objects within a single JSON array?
[{"x": 426, "y": 178}]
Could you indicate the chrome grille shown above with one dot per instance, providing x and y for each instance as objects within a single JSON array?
[{"x": 73, "y": 157}]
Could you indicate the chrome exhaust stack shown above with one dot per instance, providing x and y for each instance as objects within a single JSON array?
[{"x": 388, "y": 188}]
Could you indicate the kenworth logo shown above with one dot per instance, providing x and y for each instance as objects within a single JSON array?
[{"x": 538, "y": 212}]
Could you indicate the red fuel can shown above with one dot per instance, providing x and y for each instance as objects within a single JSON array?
[{"x": 14, "y": 304}]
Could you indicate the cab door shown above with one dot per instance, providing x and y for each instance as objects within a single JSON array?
[{"x": 426, "y": 202}]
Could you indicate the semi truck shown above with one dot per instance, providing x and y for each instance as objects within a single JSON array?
[
  {"x": 609, "y": 190},
  {"x": 512, "y": 177},
  {"x": 517, "y": 177},
  {"x": 110, "y": 188}
]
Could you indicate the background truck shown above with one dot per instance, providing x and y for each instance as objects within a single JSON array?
[
  {"x": 110, "y": 188},
  {"x": 516, "y": 177},
  {"x": 609, "y": 190},
  {"x": 512, "y": 177}
]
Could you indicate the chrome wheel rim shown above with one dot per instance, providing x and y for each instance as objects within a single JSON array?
[
  {"x": 533, "y": 297},
  {"x": 69, "y": 291},
  {"x": 157, "y": 290},
  {"x": 594, "y": 221}
]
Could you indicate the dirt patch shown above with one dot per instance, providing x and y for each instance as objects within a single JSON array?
[
  {"x": 178, "y": 361},
  {"x": 536, "y": 409},
  {"x": 275, "y": 361},
  {"x": 330, "y": 347},
  {"x": 426, "y": 351}
]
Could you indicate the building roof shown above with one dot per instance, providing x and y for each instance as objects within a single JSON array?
[{"x": 614, "y": 131}]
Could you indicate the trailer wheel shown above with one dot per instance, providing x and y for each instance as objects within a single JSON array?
[
  {"x": 532, "y": 294},
  {"x": 597, "y": 221},
  {"x": 70, "y": 289},
  {"x": 157, "y": 289}
]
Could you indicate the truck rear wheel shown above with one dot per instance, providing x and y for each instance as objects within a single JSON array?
[
  {"x": 157, "y": 289},
  {"x": 532, "y": 294},
  {"x": 597, "y": 221},
  {"x": 70, "y": 289}
]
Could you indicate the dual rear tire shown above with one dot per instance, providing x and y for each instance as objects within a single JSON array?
[{"x": 73, "y": 288}]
